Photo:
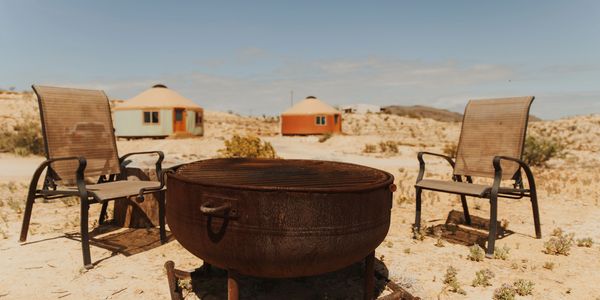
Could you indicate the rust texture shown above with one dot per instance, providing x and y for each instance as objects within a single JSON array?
[{"x": 279, "y": 218}]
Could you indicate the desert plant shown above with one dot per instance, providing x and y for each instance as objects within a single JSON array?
[
  {"x": 505, "y": 292},
  {"x": 438, "y": 235},
  {"x": 23, "y": 139},
  {"x": 450, "y": 149},
  {"x": 388, "y": 147},
  {"x": 548, "y": 265},
  {"x": 523, "y": 287},
  {"x": 585, "y": 242},
  {"x": 559, "y": 243},
  {"x": 451, "y": 282},
  {"x": 370, "y": 148},
  {"x": 325, "y": 137},
  {"x": 483, "y": 277},
  {"x": 539, "y": 150},
  {"x": 476, "y": 253},
  {"x": 501, "y": 253},
  {"x": 421, "y": 233},
  {"x": 248, "y": 146}
]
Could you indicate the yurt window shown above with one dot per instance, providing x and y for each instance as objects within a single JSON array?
[
  {"x": 336, "y": 119},
  {"x": 151, "y": 117},
  {"x": 320, "y": 120},
  {"x": 198, "y": 118}
]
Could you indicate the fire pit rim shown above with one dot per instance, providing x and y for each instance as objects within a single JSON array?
[{"x": 388, "y": 181}]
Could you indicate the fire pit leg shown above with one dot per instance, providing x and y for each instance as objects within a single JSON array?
[
  {"x": 233, "y": 290},
  {"x": 174, "y": 289},
  {"x": 369, "y": 276}
]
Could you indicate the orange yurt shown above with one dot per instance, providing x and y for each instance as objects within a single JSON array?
[{"x": 311, "y": 116}]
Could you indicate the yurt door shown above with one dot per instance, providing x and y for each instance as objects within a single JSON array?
[{"x": 178, "y": 119}]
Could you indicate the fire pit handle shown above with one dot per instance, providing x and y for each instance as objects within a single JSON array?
[{"x": 222, "y": 211}]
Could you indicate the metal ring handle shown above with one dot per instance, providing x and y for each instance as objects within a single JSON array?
[{"x": 219, "y": 211}]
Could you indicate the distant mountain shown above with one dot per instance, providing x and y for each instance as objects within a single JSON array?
[
  {"x": 420, "y": 111},
  {"x": 438, "y": 114}
]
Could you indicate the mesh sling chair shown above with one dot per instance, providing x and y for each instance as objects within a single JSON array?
[
  {"x": 490, "y": 145},
  {"x": 80, "y": 143}
]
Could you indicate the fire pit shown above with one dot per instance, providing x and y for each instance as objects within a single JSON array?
[{"x": 279, "y": 218}]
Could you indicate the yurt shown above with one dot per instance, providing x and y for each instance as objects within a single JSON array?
[
  {"x": 158, "y": 112},
  {"x": 311, "y": 116}
]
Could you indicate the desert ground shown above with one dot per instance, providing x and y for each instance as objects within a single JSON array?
[{"x": 49, "y": 265}]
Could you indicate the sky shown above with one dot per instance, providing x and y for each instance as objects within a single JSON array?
[{"x": 248, "y": 56}]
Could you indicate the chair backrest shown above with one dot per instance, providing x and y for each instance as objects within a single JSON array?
[
  {"x": 77, "y": 122},
  {"x": 492, "y": 127}
]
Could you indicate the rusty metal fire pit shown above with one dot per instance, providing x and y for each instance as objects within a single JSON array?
[{"x": 279, "y": 218}]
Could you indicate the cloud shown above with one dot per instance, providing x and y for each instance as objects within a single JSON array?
[{"x": 376, "y": 80}]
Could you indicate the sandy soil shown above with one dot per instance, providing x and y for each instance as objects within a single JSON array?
[{"x": 49, "y": 265}]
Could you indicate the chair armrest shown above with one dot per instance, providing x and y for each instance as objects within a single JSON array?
[
  {"x": 159, "y": 173},
  {"x": 498, "y": 172},
  {"x": 422, "y": 162},
  {"x": 161, "y": 157},
  {"x": 79, "y": 174}
]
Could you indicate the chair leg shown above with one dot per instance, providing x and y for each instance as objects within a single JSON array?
[
  {"x": 85, "y": 235},
  {"x": 417, "y": 225},
  {"x": 161, "y": 216},
  {"x": 463, "y": 199},
  {"x": 493, "y": 227},
  {"x": 536, "y": 216},
  {"x": 27, "y": 215},
  {"x": 102, "y": 217}
]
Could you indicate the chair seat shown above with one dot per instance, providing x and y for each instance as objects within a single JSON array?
[
  {"x": 117, "y": 189},
  {"x": 463, "y": 188}
]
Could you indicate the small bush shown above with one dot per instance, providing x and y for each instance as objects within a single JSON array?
[
  {"x": 585, "y": 242},
  {"x": 421, "y": 233},
  {"x": 505, "y": 292},
  {"x": 548, "y": 265},
  {"x": 388, "y": 147},
  {"x": 483, "y": 277},
  {"x": 476, "y": 253},
  {"x": 539, "y": 150},
  {"x": 451, "y": 281},
  {"x": 523, "y": 287},
  {"x": 325, "y": 137},
  {"x": 248, "y": 146},
  {"x": 501, "y": 253},
  {"x": 559, "y": 244},
  {"x": 450, "y": 149},
  {"x": 24, "y": 139},
  {"x": 370, "y": 148}
]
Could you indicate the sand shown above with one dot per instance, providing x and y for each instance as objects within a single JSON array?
[{"x": 49, "y": 265}]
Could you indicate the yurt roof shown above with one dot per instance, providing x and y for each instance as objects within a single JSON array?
[
  {"x": 159, "y": 96},
  {"x": 310, "y": 106}
]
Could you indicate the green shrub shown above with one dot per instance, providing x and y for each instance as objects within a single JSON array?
[
  {"x": 370, "y": 148},
  {"x": 505, "y": 292},
  {"x": 248, "y": 146},
  {"x": 585, "y": 242},
  {"x": 450, "y": 149},
  {"x": 451, "y": 282},
  {"x": 483, "y": 277},
  {"x": 559, "y": 243},
  {"x": 523, "y": 287},
  {"x": 24, "y": 139},
  {"x": 539, "y": 150},
  {"x": 501, "y": 253},
  {"x": 325, "y": 137},
  {"x": 388, "y": 147},
  {"x": 476, "y": 253}
]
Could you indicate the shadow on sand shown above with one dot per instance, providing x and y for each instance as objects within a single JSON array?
[
  {"x": 455, "y": 231},
  {"x": 347, "y": 283}
]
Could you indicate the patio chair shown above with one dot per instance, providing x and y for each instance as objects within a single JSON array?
[
  {"x": 80, "y": 144},
  {"x": 490, "y": 146}
]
